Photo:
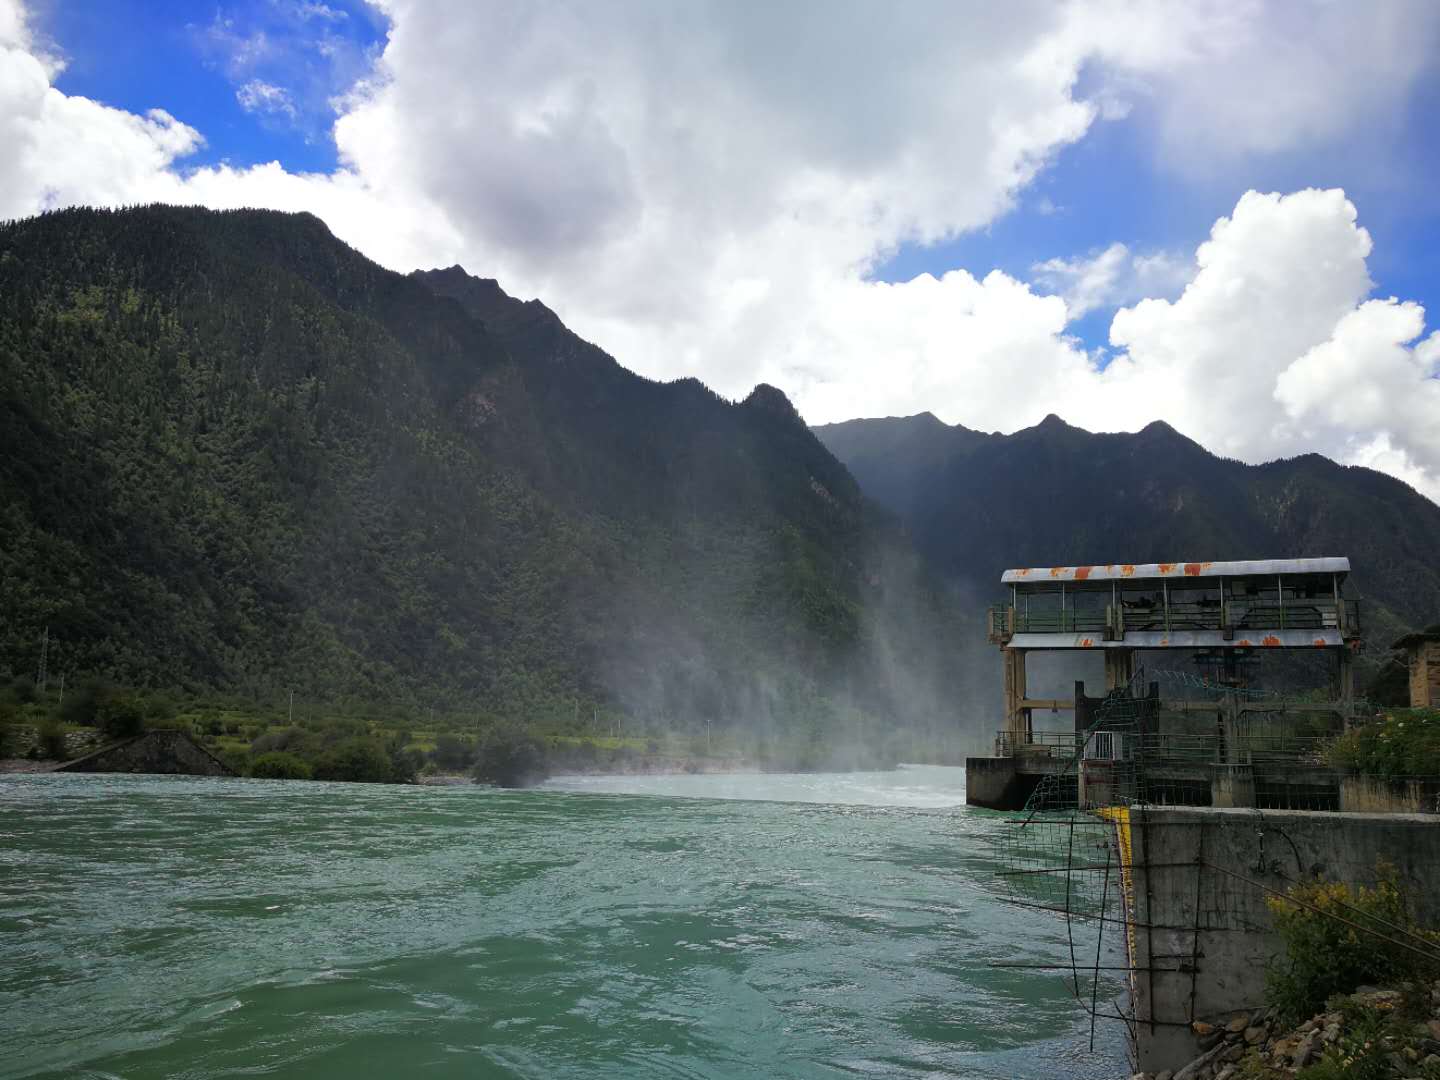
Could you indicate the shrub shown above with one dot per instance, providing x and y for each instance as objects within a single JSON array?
[
  {"x": 52, "y": 741},
  {"x": 278, "y": 765},
  {"x": 1338, "y": 937},
  {"x": 292, "y": 740},
  {"x": 1403, "y": 742},
  {"x": 119, "y": 716},
  {"x": 453, "y": 752},
  {"x": 357, "y": 760},
  {"x": 509, "y": 756},
  {"x": 83, "y": 706},
  {"x": 22, "y": 690}
]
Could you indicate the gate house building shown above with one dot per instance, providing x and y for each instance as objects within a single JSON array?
[{"x": 1226, "y": 612}]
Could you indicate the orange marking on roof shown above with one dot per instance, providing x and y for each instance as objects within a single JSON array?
[
  {"x": 1058, "y": 571},
  {"x": 1127, "y": 570},
  {"x": 1270, "y": 639},
  {"x": 1082, "y": 572},
  {"x": 1086, "y": 643},
  {"x": 1022, "y": 573},
  {"x": 1319, "y": 643},
  {"x": 1195, "y": 569},
  {"x": 1166, "y": 567},
  {"x": 1245, "y": 642}
]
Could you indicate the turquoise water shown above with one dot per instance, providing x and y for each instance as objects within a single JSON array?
[{"x": 698, "y": 926}]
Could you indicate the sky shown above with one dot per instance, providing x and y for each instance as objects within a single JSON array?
[{"x": 1221, "y": 215}]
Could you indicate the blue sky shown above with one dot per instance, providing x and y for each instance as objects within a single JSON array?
[
  {"x": 733, "y": 191},
  {"x": 182, "y": 57}
]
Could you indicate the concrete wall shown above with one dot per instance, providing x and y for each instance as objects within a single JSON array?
[
  {"x": 1425, "y": 675},
  {"x": 992, "y": 782},
  {"x": 1199, "y": 882},
  {"x": 164, "y": 751},
  {"x": 1373, "y": 794}
]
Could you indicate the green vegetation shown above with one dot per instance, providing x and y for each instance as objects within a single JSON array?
[
  {"x": 278, "y": 765},
  {"x": 1338, "y": 937},
  {"x": 511, "y": 757},
  {"x": 52, "y": 741},
  {"x": 1402, "y": 743},
  {"x": 238, "y": 460}
]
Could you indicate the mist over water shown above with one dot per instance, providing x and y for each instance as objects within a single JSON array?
[{"x": 689, "y": 926}]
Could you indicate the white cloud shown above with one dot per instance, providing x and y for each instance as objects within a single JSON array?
[
  {"x": 1112, "y": 277},
  {"x": 258, "y": 96},
  {"x": 702, "y": 189}
]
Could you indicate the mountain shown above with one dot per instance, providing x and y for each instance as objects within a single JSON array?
[
  {"x": 978, "y": 503},
  {"x": 235, "y": 454}
]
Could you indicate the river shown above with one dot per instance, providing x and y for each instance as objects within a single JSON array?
[{"x": 765, "y": 926}]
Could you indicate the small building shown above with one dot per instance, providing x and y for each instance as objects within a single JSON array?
[
  {"x": 1223, "y": 614},
  {"x": 1422, "y": 659}
]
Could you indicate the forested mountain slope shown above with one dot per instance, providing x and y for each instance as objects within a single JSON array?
[
  {"x": 234, "y": 453},
  {"x": 977, "y": 503}
]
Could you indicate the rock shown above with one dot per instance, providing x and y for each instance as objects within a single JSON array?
[
  {"x": 1331, "y": 1032},
  {"x": 1165, "y": 1074},
  {"x": 1196, "y": 1067},
  {"x": 1254, "y": 1034},
  {"x": 1306, "y": 1051},
  {"x": 1239, "y": 1024},
  {"x": 1432, "y": 1061},
  {"x": 1201, "y": 1028},
  {"x": 1226, "y": 1073},
  {"x": 1234, "y": 1053},
  {"x": 1434, "y": 1026},
  {"x": 1210, "y": 1040}
]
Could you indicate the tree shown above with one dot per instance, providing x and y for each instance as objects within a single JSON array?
[
  {"x": 83, "y": 706},
  {"x": 453, "y": 753},
  {"x": 22, "y": 689},
  {"x": 120, "y": 716},
  {"x": 357, "y": 760},
  {"x": 52, "y": 741},
  {"x": 510, "y": 756}
]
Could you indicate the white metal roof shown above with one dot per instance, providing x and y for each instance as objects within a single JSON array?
[{"x": 1143, "y": 571}]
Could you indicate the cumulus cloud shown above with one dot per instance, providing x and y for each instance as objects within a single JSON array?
[
  {"x": 1112, "y": 277},
  {"x": 702, "y": 189},
  {"x": 1274, "y": 347}
]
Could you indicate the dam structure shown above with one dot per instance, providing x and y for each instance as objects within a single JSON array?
[
  {"x": 1202, "y": 747},
  {"x": 1165, "y": 822}
]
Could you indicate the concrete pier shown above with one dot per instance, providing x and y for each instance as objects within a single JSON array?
[{"x": 1198, "y": 881}]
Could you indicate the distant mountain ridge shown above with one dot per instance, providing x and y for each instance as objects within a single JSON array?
[
  {"x": 978, "y": 503},
  {"x": 234, "y": 453}
]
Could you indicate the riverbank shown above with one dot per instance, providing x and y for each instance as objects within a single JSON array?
[{"x": 1372, "y": 1033}]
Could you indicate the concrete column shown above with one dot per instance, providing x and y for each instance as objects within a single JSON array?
[
  {"x": 1232, "y": 786},
  {"x": 1119, "y": 668},
  {"x": 1346, "y": 678},
  {"x": 1017, "y": 719}
]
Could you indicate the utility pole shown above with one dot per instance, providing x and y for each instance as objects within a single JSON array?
[
  {"x": 44, "y": 658},
  {"x": 292, "y": 707}
]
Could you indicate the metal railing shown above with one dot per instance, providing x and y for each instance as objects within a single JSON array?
[
  {"x": 1235, "y": 616},
  {"x": 1060, "y": 744},
  {"x": 1166, "y": 749}
]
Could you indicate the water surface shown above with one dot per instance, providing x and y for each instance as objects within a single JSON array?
[{"x": 699, "y": 926}]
